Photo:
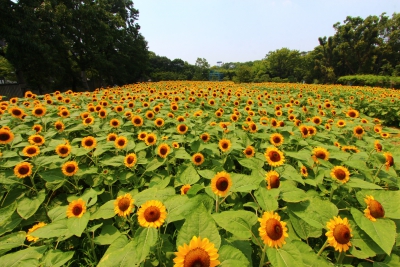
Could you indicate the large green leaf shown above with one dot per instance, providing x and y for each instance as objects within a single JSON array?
[
  {"x": 358, "y": 183},
  {"x": 251, "y": 163},
  {"x": 310, "y": 259},
  {"x": 7, "y": 212},
  {"x": 362, "y": 246},
  {"x": 12, "y": 240},
  {"x": 28, "y": 207},
  {"x": 26, "y": 257},
  {"x": 56, "y": 229},
  {"x": 267, "y": 199},
  {"x": 288, "y": 172},
  {"x": 382, "y": 231},
  {"x": 231, "y": 256},
  {"x": 237, "y": 222},
  {"x": 199, "y": 223},
  {"x": 143, "y": 240},
  {"x": 114, "y": 161},
  {"x": 10, "y": 223},
  {"x": 77, "y": 225},
  {"x": 153, "y": 194},
  {"x": 286, "y": 256},
  {"x": 389, "y": 200},
  {"x": 244, "y": 183},
  {"x": 302, "y": 228},
  {"x": 112, "y": 254},
  {"x": 58, "y": 213},
  {"x": 106, "y": 211},
  {"x": 155, "y": 164},
  {"x": 57, "y": 258},
  {"x": 108, "y": 234},
  {"x": 189, "y": 175}
]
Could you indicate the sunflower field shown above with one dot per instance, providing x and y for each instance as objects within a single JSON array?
[{"x": 192, "y": 174}]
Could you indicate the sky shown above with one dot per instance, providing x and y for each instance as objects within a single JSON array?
[{"x": 244, "y": 30}]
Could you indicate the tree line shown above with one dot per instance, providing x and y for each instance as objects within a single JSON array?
[{"x": 48, "y": 45}]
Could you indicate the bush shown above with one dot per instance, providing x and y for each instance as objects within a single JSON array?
[{"x": 371, "y": 80}]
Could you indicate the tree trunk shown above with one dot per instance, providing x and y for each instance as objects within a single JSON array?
[{"x": 84, "y": 80}]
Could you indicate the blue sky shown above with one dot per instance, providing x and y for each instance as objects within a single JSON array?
[{"x": 244, "y": 30}]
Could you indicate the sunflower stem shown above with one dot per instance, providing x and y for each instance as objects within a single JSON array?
[
  {"x": 340, "y": 258},
  {"x": 376, "y": 174},
  {"x": 322, "y": 248},
  {"x": 92, "y": 246},
  {"x": 331, "y": 194},
  {"x": 263, "y": 256},
  {"x": 216, "y": 203}
]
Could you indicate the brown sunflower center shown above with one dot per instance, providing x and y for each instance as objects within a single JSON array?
[
  {"x": 115, "y": 123},
  {"x": 320, "y": 155},
  {"x": 31, "y": 151},
  {"x": 225, "y": 145},
  {"x": 88, "y": 120},
  {"x": 198, "y": 159},
  {"x": 63, "y": 150},
  {"x": 378, "y": 147},
  {"x": 4, "y": 136},
  {"x": 89, "y": 142},
  {"x": 137, "y": 121},
  {"x": 124, "y": 203},
  {"x": 274, "y": 156},
  {"x": 389, "y": 160},
  {"x": 37, "y": 140},
  {"x": 248, "y": 151},
  {"x": 159, "y": 122},
  {"x": 152, "y": 214},
  {"x": 23, "y": 170},
  {"x": 163, "y": 151},
  {"x": 130, "y": 159},
  {"x": 38, "y": 111},
  {"x": 182, "y": 128},
  {"x": 121, "y": 142},
  {"x": 274, "y": 229},
  {"x": 277, "y": 139},
  {"x": 16, "y": 112},
  {"x": 197, "y": 257},
  {"x": 352, "y": 114},
  {"x": 304, "y": 131},
  {"x": 359, "y": 131},
  {"x": 70, "y": 168},
  {"x": 150, "y": 139},
  {"x": 112, "y": 137},
  {"x": 222, "y": 184},
  {"x": 340, "y": 174},
  {"x": 77, "y": 210},
  {"x": 376, "y": 209},
  {"x": 185, "y": 190},
  {"x": 342, "y": 234},
  {"x": 204, "y": 137},
  {"x": 274, "y": 181},
  {"x": 317, "y": 121},
  {"x": 58, "y": 126}
]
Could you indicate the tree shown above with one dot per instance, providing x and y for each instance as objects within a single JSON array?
[
  {"x": 284, "y": 63},
  {"x": 202, "y": 69}
]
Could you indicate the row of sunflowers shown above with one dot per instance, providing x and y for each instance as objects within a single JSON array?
[{"x": 200, "y": 174}]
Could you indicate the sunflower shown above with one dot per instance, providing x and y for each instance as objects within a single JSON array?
[
  {"x": 317, "y": 120},
  {"x": 151, "y": 139},
  {"x": 31, "y": 151},
  {"x": 198, "y": 253},
  {"x": 89, "y": 142},
  {"x": 304, "y": 131},
  {"x": 182, "y": 128},
  {"x": 185, "y": 188},
  {"x": 389, "y": 160},
  {"x": 121, "y": 142},
  {"x": 311, "y": 130},
  {"x": 385, "y": 135},
  {"x": 88, "y": 121},
  {"x": 163, "y": 150},
  {"x": 274, "y": 156},
  {"x": 76, "y": 208},
  {"x": 137, "y": 121},
  {"x": 378, "y": 128},
  {"x": 37, "y": 128},
  {"x": 123, "y": 205},
  {"x": 352, "y": 113},
  {"x": 130, "y": 160},
  {"x": 221, "y": 183},
  {"x": 64, "y": 113},
  {"x": 378, "y": 146},
  {"x": 358, "y": 131},
  {"x": 341, "y": 123},
  {"x": 59, "y": 125},
  {"x": 6, "y": 136},
  {"x": 205, "y": 137},
  {"x": 69, "y": 168},
  {"x": 142, "y": 136},
  {"x": 198, "y": 159},
  {"x": 102, "y": 113},
  {"x": 23, "y": 169},
  {"x": 320, "y": 153},
  {"x": 159, "y": 122},
  {"x": 115, "y": 123},
  {"x": 39, "y": 111},
  {"x": 249, "y": 151},
  {"x": 272, "y": 179},
  {"x": 341, "y": 174},
  {"x": 272, "y": 230},
  {"x": 111, "y": 137},
  {"x": 175, "y": 145},
  {"x": 339, "y": 233},
  {"x": 31, "y": 238},
  {"x": 276, "y": 139},
  {"x": 303, "y": 171},
  {"x": 36, "y": 140},
  {"x": 224, "y": 145},
  {"x": 63, "y": 150},
  {"x": 374, "y": 209},
  {"x": 16, "y": 112},
  {"x": 350, "y": 149},
  {"x": 152, "y": 214}
]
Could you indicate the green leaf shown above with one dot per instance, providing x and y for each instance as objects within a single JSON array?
[
  {"x": 296, "y": 195},
  {"x": 362, "y": 246},
  {"x": 231, "y": 256},
  {"x": 302, "y": 228},
  {"x": 267, "y": 199},
  {"x": 208, "y": 174},
  {"x": 55, "y": 229},
  {"x": 114, "y": 161},
  {"x": 199, "y": 223},
  {"x": 237, "y": 222},
  {"x": 108, "y": 234},
  {"x": 382, "y": 231},
  {"x": 28, "y": 207},
  {"x": 153, "y": 194},
  {"x": 155, "y": 164},
  {"x": 182, "y": 154},
  {"x": 7, "y": 212},
  {"x": 244, "y": 183},
  {"x": 310, "y": 259},
  {"x": 251, "y": 163},
  {"x": 106, "y": 211},
  {"x": 389, "y": 200},
  {"x": 302, "y": 155},
  {"x": 77, "y": 225},
  {"x": 10, "y": 223},
  {"x": 113, "y": 253},
  {"x": 143, "y": 240},
  {"x": 286, "y": 256},
  {"x": 57, "y": 258},
  {"x": 358, "y": 183},
  {"x": 314, "y": 211},
  {"x": 290, "y": 173},
  {"x": 58, "y": 213},
  {"x": 189, "y": 175},
  {"x": 25, "y": 257},
  {"x": 194, "y": 189},
  {"x": 12, "y": 240}
]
